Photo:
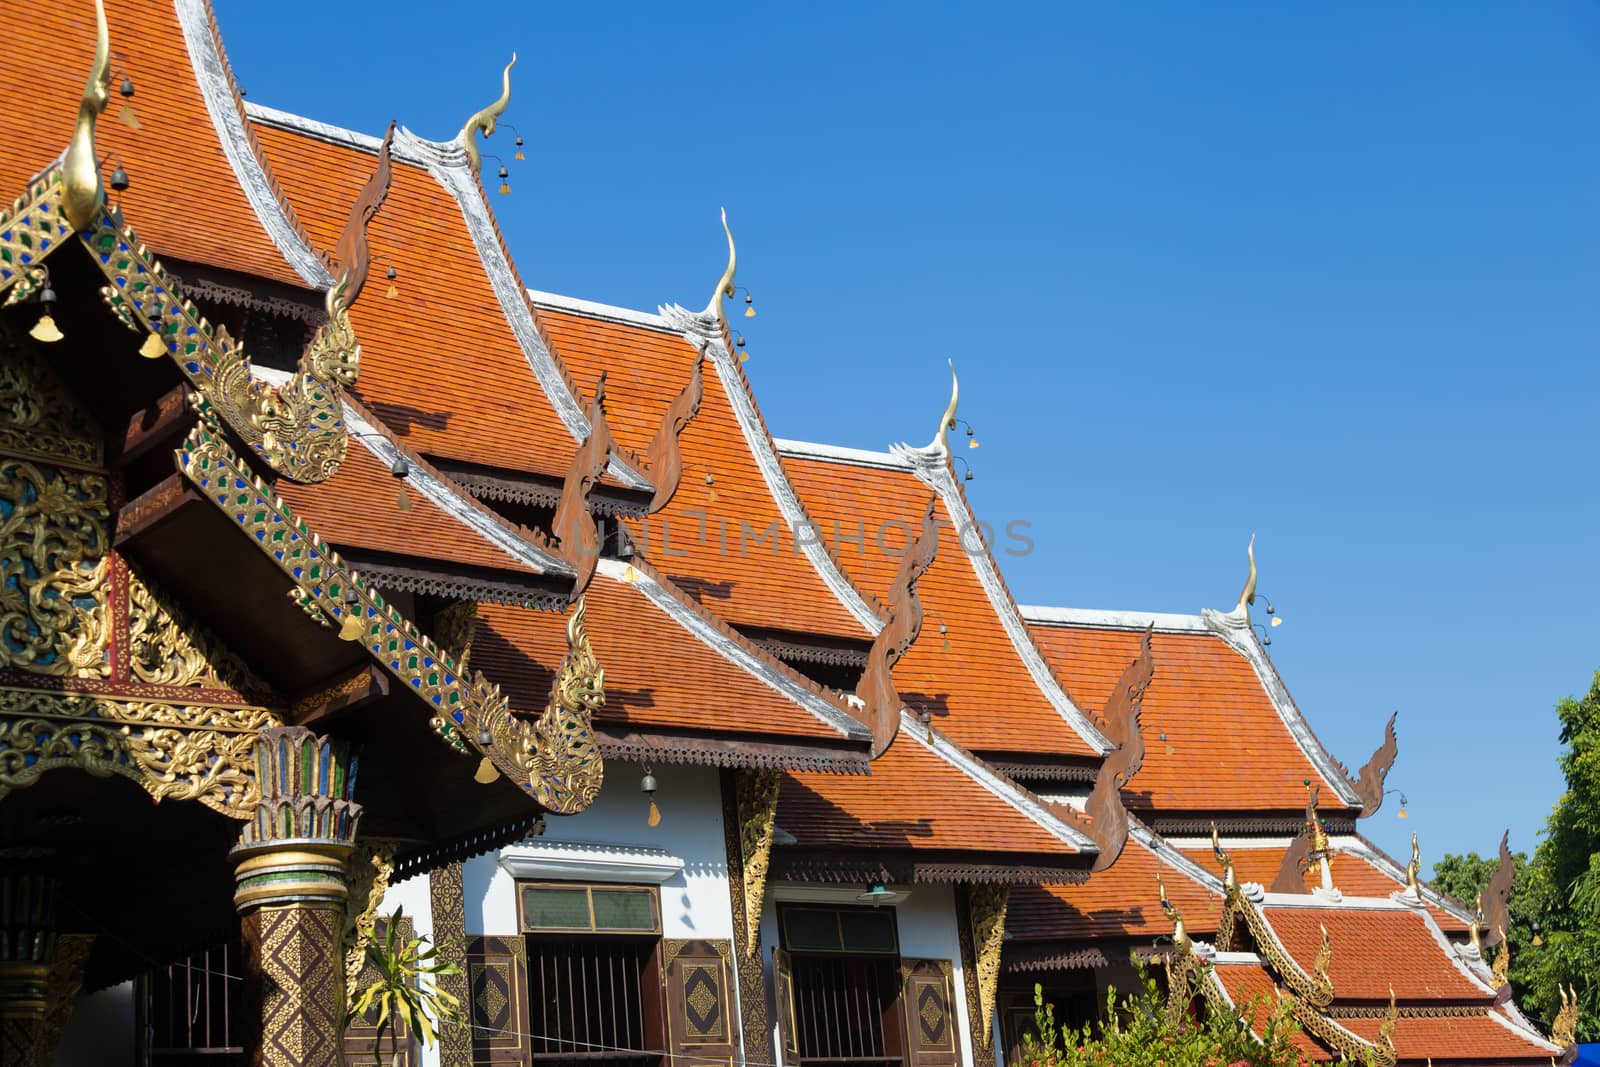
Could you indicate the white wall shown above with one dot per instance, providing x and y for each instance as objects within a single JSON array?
[
  {"x": 928, "y": 928},
  {"x": 100, "y": 1031},
  {"x": 694, "y": 903}
]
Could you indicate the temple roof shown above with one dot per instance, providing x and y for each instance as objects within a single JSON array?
[
  {"x": 442, "y": 362},
  {"x": 1360, "y": 869},
  {"x": 187, "y": 144},
  {"x": 924, "y": 796},
  {"x": 728, "y": 535},
  {"x": 1218, "y": 738},
  {"x": 967, "y": 670},
  {"x": 1117, "y": 903},
  {"x": 673, "y": 669}
]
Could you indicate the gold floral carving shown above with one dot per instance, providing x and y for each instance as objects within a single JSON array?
[
  {"x": 454, "y": 628},
  {"x": 39, "y": 417},
  {"x": 1564, "y": 1031},
  {"x": 1501, "y": 971},
  {"x": 173, "y": 751},
  {"x": 756, "y": 794},
  {"x": 555, "y": 758},
  {"x": 367, "y": 876},
  {"x": 988, "y": 906},
  {"x": 61, "y": 989},
  {"x": 54, "y": 617},
  {"x": 169, "y": 648},
  {"x": 32, "y": 229},
  {"x": 1316, "y": 988}
]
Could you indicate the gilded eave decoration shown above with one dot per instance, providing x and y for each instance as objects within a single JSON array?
[
  {"x": 298, "y": 428},
  {"x": 173, "y": 750},
  {"x": 756, "y": 796},
  {"x": 987, "y": 905},
  {"x": 54, "y": 556},
  {"x": 554, "y": 758},
  {"x": 166, "y": 647}
]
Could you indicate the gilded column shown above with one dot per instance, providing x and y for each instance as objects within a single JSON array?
[
  {"x": 27, "y": 950},
  {"x": 289, "y": 867}
]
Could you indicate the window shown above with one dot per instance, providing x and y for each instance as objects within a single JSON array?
[
  {"x": 843, "y": 985},
  {"x": 194, "y": 1009},
  {"x": 594, "y": 973}
]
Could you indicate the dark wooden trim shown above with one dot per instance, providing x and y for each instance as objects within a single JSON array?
[
  {"x": 691, "y": 747},
  {"x": 539, "y": 491},
  {"x": 458, "y": 581},
  {"x": 338, "y": 697},
  {"x": 163, "y": 420},
  {"x": 907, "y": 866},
  {"x": 1198, "y": 823},
  {"x": 153, "y": 507},
  {"x": 1027, "y": 768},
  {"x": 427, "y": 856}
]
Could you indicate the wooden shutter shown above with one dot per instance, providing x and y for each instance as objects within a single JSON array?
[
  {"x": 931, "y": 1030},
  {"x": 783, "y": 993},
  {"x": 497, "y": 1005},
  {"x": 362, "y": 1032},
  {"x": 701, "y": 1023}
]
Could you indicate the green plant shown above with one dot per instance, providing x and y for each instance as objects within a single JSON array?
[
  {"x": 1135, "y": 1032},
  {"x": 399, "y": 993}
]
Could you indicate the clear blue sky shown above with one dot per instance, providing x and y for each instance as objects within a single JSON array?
[{"x": 1324, "y": 274}]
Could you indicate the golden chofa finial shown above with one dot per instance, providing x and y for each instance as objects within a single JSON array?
[
  {"x": 82, "y": 193},
  {"x": 1229, "y": 879},
  {"x": 1314, "y": 828},
  {"x": 1475, "y": 932},
  {"x": 1248, "y": 596},
  {"x": 1180, "y": 936},
  {"x": 725, "y": 283},
  {"x": 948, "y": 421},
  {"x": 484, "y": 121},
  {"x": 1414, "y": 870}
]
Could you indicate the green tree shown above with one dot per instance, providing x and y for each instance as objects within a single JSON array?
[{"x": 1555, "y": 902}]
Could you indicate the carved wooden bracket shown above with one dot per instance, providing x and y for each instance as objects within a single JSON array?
[
  {"x": 877, "y": 689},
  {"x": 1109, "y": 819}
]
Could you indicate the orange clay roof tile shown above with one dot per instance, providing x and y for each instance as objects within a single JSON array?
[
  {"x": 439, "y": 362},
  {"x": 1249, "y": 986},
  {"x": 359, "y": 507},
  {"x": 658, "y": 674},
  {"x": 963, "y": 669},
  {"x": 1374, "y": 950},
  {"x": 1354, "y": 874},
  {"x": 1455, "y": 1039},
  {"x": 912, "y": 798},
  {"x": 1226, "y": 747},
  {"x": 1121, "y": 901},
  {"x": 724, "y": 540},
  {"x": 173, "y": 157}
]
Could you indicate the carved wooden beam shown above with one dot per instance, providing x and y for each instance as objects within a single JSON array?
[
  {"x": 756, "y": 799},
  {"x": 881, "y": 700},
  {"x": 152, "y": 507},
  {"x": 340, "y": 696},
  {"x": 664, "y": 455},
  {"x": 352, "y": 251},
  {"x": 1109, "y": 818},
  {"x": 162, "y": 421}
]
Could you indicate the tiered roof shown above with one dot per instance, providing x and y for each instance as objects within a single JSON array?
[
  {"x": 1369, "y": 976},
  {"x": 983, "y": 682}
]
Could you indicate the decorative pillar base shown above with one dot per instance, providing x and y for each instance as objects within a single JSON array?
[
  {"x": 295, "y": 971},
  {"x": 289, "y": 868}
]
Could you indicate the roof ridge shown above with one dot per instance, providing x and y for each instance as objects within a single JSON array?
[
  {"x": 456, "y": 501},
  {"x": 734, "y": 646},
  {"x": 214, "y": 77},
  {"x": 1114, "y": 619},
  {"x": 865, "y": 607},
  {"x": 931, "y": 465},
  {"x": 1000, "y": 785}
]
